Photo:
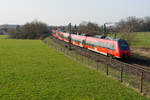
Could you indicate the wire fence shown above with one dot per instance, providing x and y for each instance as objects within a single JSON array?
[{"x": 131, "y": 76}]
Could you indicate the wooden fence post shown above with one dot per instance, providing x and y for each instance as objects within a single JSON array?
[
  {"x": 141, "y": 81},
  {"x": 76, "y": 57},
  {"x": 121, "y": 74},
  {"x": 97, "y": 65},
  {"x": 88, "y": 60},
  {"x": 66, "y": 52},
  {"x": 82, "y": 58},
  {"x": 107, "y": 69}
]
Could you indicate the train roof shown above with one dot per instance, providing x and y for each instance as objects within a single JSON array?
[
  {"x": 108, "y": 38},
  {"x": 98, "y": 37}
]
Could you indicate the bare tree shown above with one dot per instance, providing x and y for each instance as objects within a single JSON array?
[
  {"x": 147, "y": 23},
  {"x": 89, "y": 27},
  {"x": 130, "y": 24}
]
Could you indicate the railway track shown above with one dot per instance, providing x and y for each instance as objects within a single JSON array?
[
  {"x": 143, "y": 68},
  {"x": 104, "y": 59},
  {"x": 133, "y": 74}
]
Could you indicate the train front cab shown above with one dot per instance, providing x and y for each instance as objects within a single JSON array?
[{"x": 123, "y": 49}]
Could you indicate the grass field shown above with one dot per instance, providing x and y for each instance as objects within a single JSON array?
[
  {"x": 31, "y": 70},
  {"x": 140, "y": 39},
  {"x": 3, "y": 36}
]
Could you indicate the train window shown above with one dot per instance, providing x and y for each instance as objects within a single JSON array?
[
  {"x": 90, "y": 43},
  {"x": 65, "y": 36},
  {"x": 80, "y": 40},
  {"x": 123, "y": 45},
  {"x": 77, "y": 40},
  {"x": 106, "y": 45},
  {"x": 113, "y": 47},
  {"x": 99, "y": 43},
  {"x": 96, "y": 43}
]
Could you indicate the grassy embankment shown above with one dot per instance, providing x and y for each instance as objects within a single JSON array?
[
  {"x": 31, "y": 70},
  {"x": 141, "y": 44},
  {"x": 139, "y": 39},
  {"x": 3, "y": 36},
  {"x": 142, "y": 39}
]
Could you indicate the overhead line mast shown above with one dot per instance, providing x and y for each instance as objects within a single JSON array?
[{"x": 69, "y": 37}]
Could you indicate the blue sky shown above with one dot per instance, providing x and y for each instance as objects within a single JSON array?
[{"x": 61, "y": 12}]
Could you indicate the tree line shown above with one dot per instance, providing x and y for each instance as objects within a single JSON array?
[
  {"x": 30, "y": 30},
  {"x": 133, "y": 24},
  {"x": 39, "y": 30},
  {"x": 126, "y": 25}
]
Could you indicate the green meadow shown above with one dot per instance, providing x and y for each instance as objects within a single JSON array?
[
  {"x": 3, "y": 36},
  {"x": 138, "y": 39},
  {"x": 142, "y": 39},
  {"x": 30, "y": 70}
]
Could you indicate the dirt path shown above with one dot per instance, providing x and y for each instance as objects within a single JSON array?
[
  {"x": 141, "y": 56},
  {"x": 142, "y": 51}
]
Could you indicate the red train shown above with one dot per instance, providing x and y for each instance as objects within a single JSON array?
[{"x": 117, "y": 48}]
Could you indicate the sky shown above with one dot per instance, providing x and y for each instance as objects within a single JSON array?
[{"x": 61, "y": 12}]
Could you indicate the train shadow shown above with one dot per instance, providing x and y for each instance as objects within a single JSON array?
[{"x": 138, "y": 59}]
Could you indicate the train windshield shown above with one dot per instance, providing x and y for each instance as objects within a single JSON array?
[{"x": 123, "y": 45}]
